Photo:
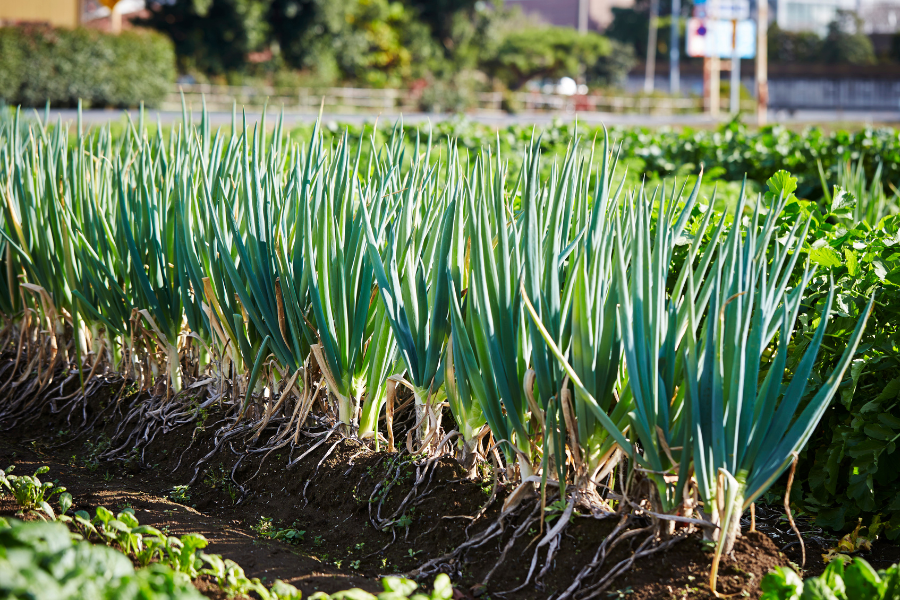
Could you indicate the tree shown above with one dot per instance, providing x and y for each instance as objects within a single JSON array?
[
  {"x": 631, "y": 26},
  {"x": 612, "y": 69},
  {"x": 440, "y": 15},
  {"x": 793, "y": 46},
  {"x": 546, "y": 52},
  {"x": 304, "y": 30},
  {"x": 377, "y": 42},
  {"x": 846, "y": 42},
  {"x": 214, "y": 36},
  {"x": 384, "y": 44},
  {"x": 895, "y": 47}
]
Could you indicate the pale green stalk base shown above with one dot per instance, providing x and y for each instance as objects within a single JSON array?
[
  {"x": 733, "y": 491},
  {"x": 174, "y": 364},
  {"x": 348, "y": 405},
  {"x": 468, "y": 454},
  {"x": 345, "y": 408},
  {"x": 371, "y": 409},
  {"x": 423, "y": 417},
  {"x": 525, "y": 468},
  {"x": 61, "y": 349}
]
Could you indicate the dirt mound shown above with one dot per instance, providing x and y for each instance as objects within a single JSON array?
[{"x": 323, "y": 496}]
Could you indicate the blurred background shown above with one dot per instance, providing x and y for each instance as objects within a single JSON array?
[{"x": 492, "y": 59}]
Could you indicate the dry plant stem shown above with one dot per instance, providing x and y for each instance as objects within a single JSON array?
[
  {"x": 274, "y": 408},
  {"x": 534, "y": 516},
  {"x": 305, "y": 406},
  {"x": 493, "y": 530},
  {"x": 787, "y": 509},
  {"x": 752, "y": 517},
  {"x": 598, "y": 588},
  {"x": 599, "y": 557},
  {"x": 549, "y": 537},
  {"x": 319, "y": 464}
]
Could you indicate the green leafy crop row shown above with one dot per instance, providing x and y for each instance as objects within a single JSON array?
[
  {"x": 41, "y": 561},
  {"x": 847, "y": 470},
  {"x": 855, "y": 581}
]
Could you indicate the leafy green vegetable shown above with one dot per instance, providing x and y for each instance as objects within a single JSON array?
[
  {"x": 40, "y": 560},
  {"x": 855, "y": 581}
]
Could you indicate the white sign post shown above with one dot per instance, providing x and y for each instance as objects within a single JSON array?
[
  {"x": 735, "y": 101},
  {"x": 719, "y": 29},
  {"x": 707, "y": 38},
  {"x": 727, "y": 10}
]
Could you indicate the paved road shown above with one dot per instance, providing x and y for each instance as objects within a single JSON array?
[{"x": 97, "y": 117}]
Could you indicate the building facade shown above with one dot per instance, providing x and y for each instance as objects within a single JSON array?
[
  {"x": 879, "y": 16},
  {"x": 584, "y": 15},
  {"x": 58, "y": 13},
  {"x": 70, "y": 13}
]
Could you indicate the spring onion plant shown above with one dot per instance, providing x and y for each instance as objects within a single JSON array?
[
  {"x": 854, "y": 197},
  {"x": 416, "y": 308},
  {"x": 747, "y": 420},
  {"x": 489, "y": 342},
  {"x": 577, "y": 320}
]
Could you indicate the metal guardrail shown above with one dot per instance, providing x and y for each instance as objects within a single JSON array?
[
  {"x": 356, "y": 100},
  {"x": 834, "y": 94}
]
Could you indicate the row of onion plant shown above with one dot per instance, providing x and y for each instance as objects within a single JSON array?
[{"x": 578, "y": 323}]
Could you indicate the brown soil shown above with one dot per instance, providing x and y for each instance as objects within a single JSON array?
[
  {"x": 684, "y": 571},
  {"x": 331, "y": 495},
  {"x": 771, "y": 521},
  {"x": 269, "y": 560}
]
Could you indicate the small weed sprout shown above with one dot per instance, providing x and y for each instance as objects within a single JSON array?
[
  {"x": 291, "y": 535},
  {"x": 180, "y": 494},
  {"x": 30, "y": 493}
]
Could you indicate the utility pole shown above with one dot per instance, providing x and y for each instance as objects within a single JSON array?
[
  {"x": 735, "y": 101},
  {"x": 115, "y": 17},
  {"x": 714, "y": 71},
  {"x": 674, "y": 72},
  {"x": 582, "y": 16},
  {"x": 762, "y": 61},
  {"x": 650, "y": 72},
  {"x": 115, "y": 21}
]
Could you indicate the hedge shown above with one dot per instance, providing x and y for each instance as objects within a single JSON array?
[{"x": 61, "y": 66}]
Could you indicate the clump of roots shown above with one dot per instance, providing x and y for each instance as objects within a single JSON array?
[{"x": 294, "y": 411}]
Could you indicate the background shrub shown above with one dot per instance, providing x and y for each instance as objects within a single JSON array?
[{"x": 42, "y": 64}]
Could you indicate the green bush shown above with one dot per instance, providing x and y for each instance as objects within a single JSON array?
[
  {"x": 612, "y": 69},
  {"x": 847, "y": 42},
  {"x": 546, "y": 52},
  {"x": 61, "y": 66},
  {"x": 793, "y": 46}
]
